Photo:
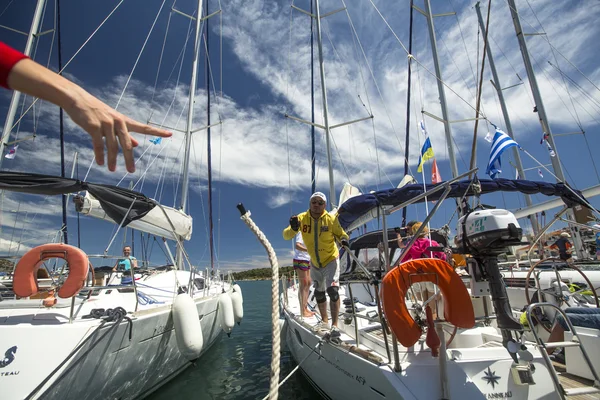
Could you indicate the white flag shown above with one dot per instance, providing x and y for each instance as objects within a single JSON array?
[{"x": 489, "y": 137}]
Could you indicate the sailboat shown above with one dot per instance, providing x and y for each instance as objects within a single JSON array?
[
  {"x": 390, "y": 345},
  {"x": 122, "y": 336}
]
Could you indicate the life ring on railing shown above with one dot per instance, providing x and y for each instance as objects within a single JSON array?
[
  {"x": 458, "y": 308},
  {"x": 25, "y": 282}
]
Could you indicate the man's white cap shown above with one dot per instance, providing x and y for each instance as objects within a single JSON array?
[
  {"x": 320, "y": 195},
  {"x": 565, "y": 234}
]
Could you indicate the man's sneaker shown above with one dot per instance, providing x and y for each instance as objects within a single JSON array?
[
  {"x": 335, "y": 333},
  {"x": 322, "y": 326}
]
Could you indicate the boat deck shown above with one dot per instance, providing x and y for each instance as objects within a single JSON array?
[{"x": 571, "y": 381}]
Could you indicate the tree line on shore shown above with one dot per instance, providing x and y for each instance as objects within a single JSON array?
[{"x": 261, "y": 273}]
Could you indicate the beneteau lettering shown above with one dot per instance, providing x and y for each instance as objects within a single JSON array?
[
  {"x": 9, "y": 373},
  {"x": 499, "y": 395},
  {"x": 348, "y": 374}
]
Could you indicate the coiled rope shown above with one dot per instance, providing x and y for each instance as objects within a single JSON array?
[{"x": 275, "y": 348}]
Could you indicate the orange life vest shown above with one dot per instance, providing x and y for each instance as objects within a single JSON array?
[
  {"x": 458, "y": 309},
  {"x": 25, "y": 282}
]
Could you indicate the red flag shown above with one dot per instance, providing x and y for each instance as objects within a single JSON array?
[{"x": 435, "y": 173}]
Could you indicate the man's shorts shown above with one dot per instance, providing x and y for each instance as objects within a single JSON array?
[
  {"x": 579, "y": 316},
  {"x": 327, "y": 276},
  {"x": 301, "y": 264}
]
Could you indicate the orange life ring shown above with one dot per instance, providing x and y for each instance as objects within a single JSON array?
[
  {"x": 25, "y": 282},
  {"x": 458, "y": 308}
]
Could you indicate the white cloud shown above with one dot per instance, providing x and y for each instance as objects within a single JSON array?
[{"x": 257, "y": 147}]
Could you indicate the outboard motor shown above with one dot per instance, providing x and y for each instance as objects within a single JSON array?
[{"x": 484, "y": 234}]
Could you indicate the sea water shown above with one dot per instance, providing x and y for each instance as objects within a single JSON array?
[{"x": 239, "y": 367}]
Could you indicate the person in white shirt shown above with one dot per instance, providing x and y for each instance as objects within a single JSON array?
[{"x": 302, "y": 266}]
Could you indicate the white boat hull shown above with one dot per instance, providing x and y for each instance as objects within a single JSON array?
[
  {"x": 105, "y": 363},
  {"x": 338, "y": 373}
]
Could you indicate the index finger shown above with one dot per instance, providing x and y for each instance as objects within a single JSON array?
[{"x": 134, "y": 126}]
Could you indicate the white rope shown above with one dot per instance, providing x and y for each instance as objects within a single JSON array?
[
  {"x": 319, "y": 343},
  {"x": 275, "y": 346}
]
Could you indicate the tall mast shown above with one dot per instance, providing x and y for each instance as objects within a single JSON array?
[
  {"x": 16, "y": 96},
  {"x": 541, "y": 111},
  {"x": 407, "y": 141},
  {"x": 312, "y": 107},
  {"x": 62, "y": 129},
  {"x": 188, "y": 127},
  {"x": 332, "y": 196},
  {"x": 441, "y": 90},
  {"x": 208, "y": 149},
  {"x": 507, "y": 123}
]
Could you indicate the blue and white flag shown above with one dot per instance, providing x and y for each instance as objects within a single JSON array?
[
  {"x": 156, "y": 140},
  {"x": 501, "y": 142},
  {"x": 423, "y": 130}
]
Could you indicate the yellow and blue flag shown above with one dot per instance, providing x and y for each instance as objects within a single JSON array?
[{"x": 426, "y": 154}]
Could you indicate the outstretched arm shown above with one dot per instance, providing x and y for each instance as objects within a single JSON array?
[{"x": 100, "y": 121}]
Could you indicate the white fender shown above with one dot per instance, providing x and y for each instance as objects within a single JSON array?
[
  {"x": 188, "y": 330},
  {"x": 238, "y": 303},
  {"x": 226, "y": 313}
]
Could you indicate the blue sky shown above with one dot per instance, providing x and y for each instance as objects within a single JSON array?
[{"x": 261, "y": 158}]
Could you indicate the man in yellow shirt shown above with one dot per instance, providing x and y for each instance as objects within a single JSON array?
[{"x": 319, "y": 231}]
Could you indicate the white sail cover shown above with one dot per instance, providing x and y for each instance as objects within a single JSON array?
[{"x": 154, "y": 223}]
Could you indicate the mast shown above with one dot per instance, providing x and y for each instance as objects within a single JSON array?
[
  {"x": 332, "y": 196},
  {"x": 312, "y": 106},
  {"x": 16, "y": 96},
  {"x": 62, "y": 131},
  {"x": 541, "y": 111},
  {"x": 188, "y": 127},
  {"x": 208, "y": 149},
  {"x": 407, "y": 140},
  {"x": 441, "y": 90},
  {"x": 507, "y": 123}
]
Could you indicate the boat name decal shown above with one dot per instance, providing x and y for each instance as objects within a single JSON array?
[
  {"x": 358, "y": 378},
  {"x": 499, "y": 395},
  {"x": 9, "y": 357}
]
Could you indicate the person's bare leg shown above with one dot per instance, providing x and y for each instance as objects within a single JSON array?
[
  {"x": 303, "y": 292},
  {"x": 323, "y": 312},
  {"x": 334, "y": 307}
]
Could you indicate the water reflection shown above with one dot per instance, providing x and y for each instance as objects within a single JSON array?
[{"x": 239, "y": 367}]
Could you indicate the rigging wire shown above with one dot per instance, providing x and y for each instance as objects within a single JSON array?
[
  {"x": 72, "y": 58},
  {"x": 421, "y": 64},
  {"x": 131, "y": 73},
  {"x": 485, "y": 44},
  {"x": 372, "y": 75},
  {"x": 555, "y": 49}
]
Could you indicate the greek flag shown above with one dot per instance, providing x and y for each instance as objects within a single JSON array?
[{"x": 500, "y": 143}]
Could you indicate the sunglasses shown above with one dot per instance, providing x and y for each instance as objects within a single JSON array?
[{"x": 317, "y": 202}]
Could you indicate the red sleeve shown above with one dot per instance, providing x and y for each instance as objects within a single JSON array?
[{"x": 8, "y": 58}]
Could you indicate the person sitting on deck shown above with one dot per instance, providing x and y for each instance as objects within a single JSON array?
[{"x": 420, "y": 247}]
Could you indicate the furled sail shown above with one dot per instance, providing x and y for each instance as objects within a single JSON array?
[{"x": 155, "y": 222}]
